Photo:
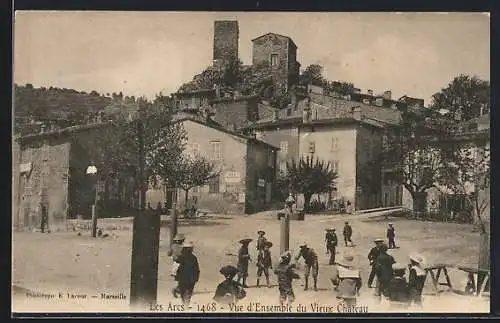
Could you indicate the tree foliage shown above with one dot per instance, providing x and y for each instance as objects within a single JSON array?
[
  {"x": 416, "y": 163},
  {"x": 117, "y": 151},
  {"x": 193, "y": 171},
  {"x": 467, "y": 172},
  {"x": 465, "y": 92},
  {"x": 308, "y": 176}
]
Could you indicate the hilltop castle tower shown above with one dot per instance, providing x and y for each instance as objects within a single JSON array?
[{"x": 226, "y": 37}]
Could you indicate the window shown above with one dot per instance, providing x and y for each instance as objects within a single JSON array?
[
  {"x": 334, "y": 165},
  {"x": 232, "y": 188},
  {"x": 335, "y": 144},
  {"x": 213, "y": 185},
  {"x": 215, "y": 150},
  {"x": 193, "y": 103},
  {"x": 284, "y": 147},
  {"x": 312, "y": 147},
  {"x": 283, "y": 167},
  {"x": 274, "y": 60},
  {"x": 195, "y": 149},
  {"x": 195, "y": 190}
]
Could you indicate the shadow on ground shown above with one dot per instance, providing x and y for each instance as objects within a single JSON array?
[{"x": 193, "y": 223}]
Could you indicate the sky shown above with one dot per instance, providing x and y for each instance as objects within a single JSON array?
[{"x": 144, "y": 53}]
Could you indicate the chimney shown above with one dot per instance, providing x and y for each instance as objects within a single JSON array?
[
  {"x": 387, "y": 95},
  {"x": 370, "y": 92},
  {"x": 356, "y": 113}
]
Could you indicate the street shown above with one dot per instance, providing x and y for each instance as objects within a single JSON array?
[{"x": 78, "y": 269}]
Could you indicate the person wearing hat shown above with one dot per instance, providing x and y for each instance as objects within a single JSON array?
[
  {"x": 347, "y": 281},
  {"x": 243, "y": 259},
  {"x": 188, "y": 272},
  {"x": 286, "y": 274},
  {"x": 177, "y": 243},
  {"x": 347, "y": 233},
  {"x": 311, "y": 262},
  {"x": 391, "y": 235},
  {"x": 384, "y": 270},
  {"x": 331, "y": 244},
  {"x": 397, "y": 289},
  {"x": 372, "y": 257},
  {"x": 229, "y": 291},
  {"x": 264, "y": 263},
  {"x": 261, "y": 240},
  {"x": 416, "y": 278}
]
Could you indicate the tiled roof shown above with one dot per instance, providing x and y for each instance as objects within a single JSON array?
[{"x": 290, "y": 39}]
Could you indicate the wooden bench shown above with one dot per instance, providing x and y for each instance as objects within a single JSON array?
[
  {"x": 479, "y": 286},
  {"x": 435, "y": 273}
]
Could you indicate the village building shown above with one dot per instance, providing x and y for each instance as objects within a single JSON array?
[
  {"x": 280, "y": 54},
  {"x": 473, "y": 136},
  {"x": 347, "y": 134},
  {"x": 246, "y": 165},
  {"x": 49, "y": 173}
]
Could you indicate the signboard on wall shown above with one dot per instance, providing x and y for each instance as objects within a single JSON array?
[
  {"x": 232, "y": 177},
  {"x": 261, "y": 183},
  {"x": 241, "y": 198}
]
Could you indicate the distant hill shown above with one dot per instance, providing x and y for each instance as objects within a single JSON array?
[{"x": 63, "y": 107}]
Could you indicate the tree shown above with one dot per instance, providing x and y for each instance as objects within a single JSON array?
[
  {"x": 471, "y": 94},
  {"x": 313, "y": 74},
  {"x": 416, "y": 163},
  {"x": 309, "y": 177},
  {"x": 193, "y": 171},
  {"x": 116, "y": 150},
  {"x": 467, "y": 172}
]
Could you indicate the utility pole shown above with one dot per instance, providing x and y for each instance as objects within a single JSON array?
[
  {"x": 285, "y": 225},
  {"x": 145, "y": 243},
  {"x": 173, "y": 221}
]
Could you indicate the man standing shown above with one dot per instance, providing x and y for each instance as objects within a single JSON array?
[
  {"x": 347, "y": 233},
  {"x": 391, "y": 234},
  {"x": 311, "y": 262},
  {"x": 264, "y": 263},
  {"x": 372, "y": 257},
  {"x": 243, "y": 260},
  {"x": 286, "y": 274},
  {"x": 416, "y": 278},
  {"x": 384, "y": 270},
  {"x": 331, "y": 244},
  {"x": 45, "y": 219},
  {"x": 188, "y": 273}
]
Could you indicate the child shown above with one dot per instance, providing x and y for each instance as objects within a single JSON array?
[
  {"x": 264, "y": 263},
  {"x": 229, "y": 291},
  {"x": 347, "y": 281},
  {"x": 286, "y": 275},
  {"x": 398, "y": 290}
]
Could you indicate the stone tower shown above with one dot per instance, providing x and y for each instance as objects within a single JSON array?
[{"x": 226, "y": 36}]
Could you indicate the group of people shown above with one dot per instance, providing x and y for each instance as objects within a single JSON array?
[
  {"x": 391, "y": 280},
  {"x": 347, "y": 282}
]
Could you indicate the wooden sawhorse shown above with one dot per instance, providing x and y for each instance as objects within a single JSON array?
[
  {"x": 478, "y": 286},
  {"x": 435, "y": 273}
]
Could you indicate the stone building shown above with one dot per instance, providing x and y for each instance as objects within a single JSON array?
[
  {"x": 280, "y": 53},
  {"x": 226, "y": 37},
  {"x": 247, "y": 168},
  {"x": 49, "y": 170},
  {"x": 345, "y": 133}
]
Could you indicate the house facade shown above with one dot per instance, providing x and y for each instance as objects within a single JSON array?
[
  {"x": 246, "y": 166},
  {"x": 49, "y": 171},
  {"x": 343, "y": 135}
]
